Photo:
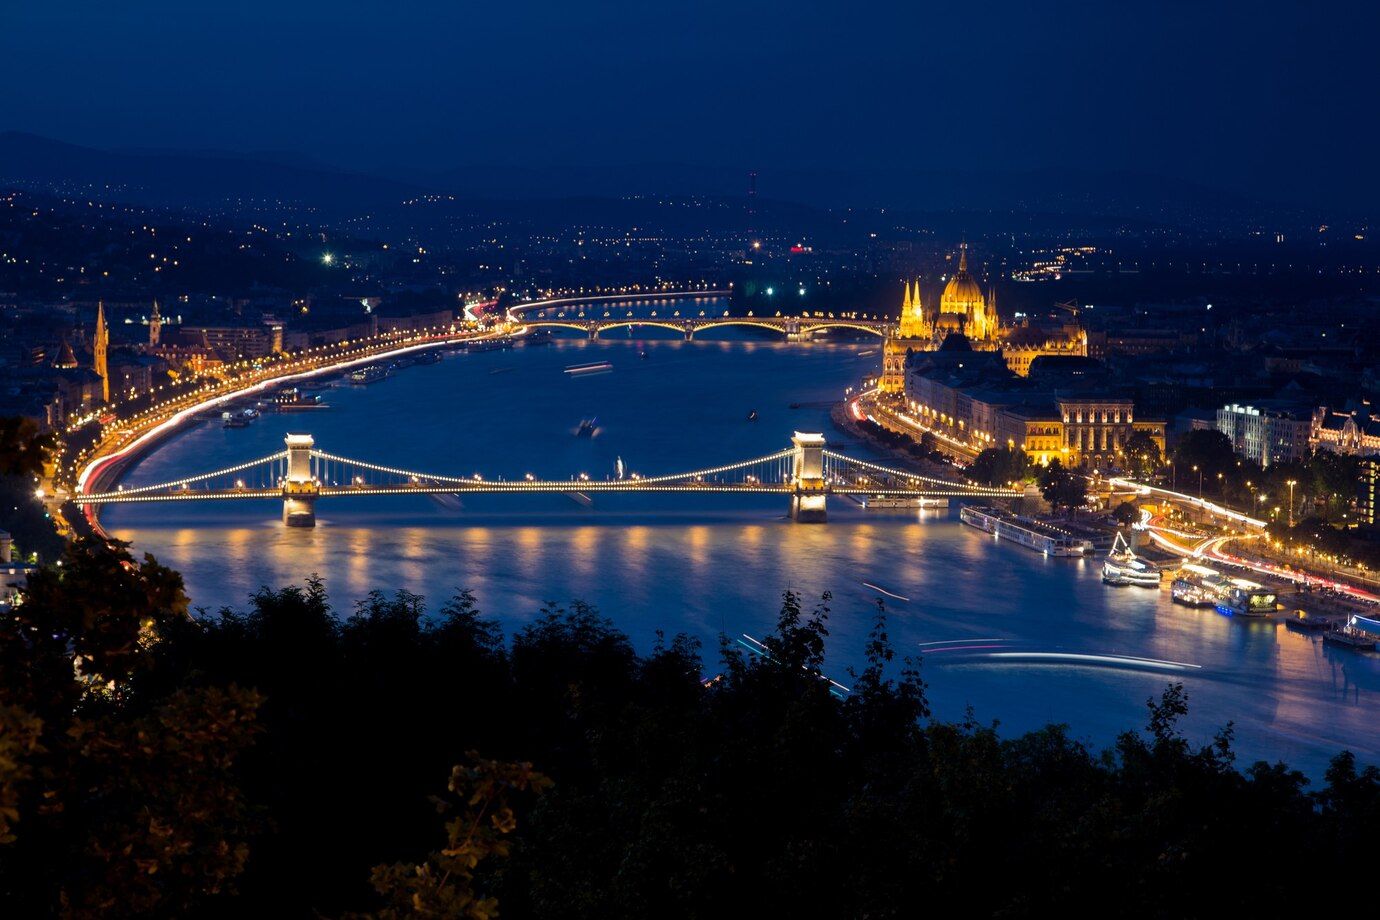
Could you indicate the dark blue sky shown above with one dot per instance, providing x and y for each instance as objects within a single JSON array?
[{"x": 1273, "y": 98}]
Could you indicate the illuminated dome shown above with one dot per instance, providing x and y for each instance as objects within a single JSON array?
[{"x": 962, "y": 294}]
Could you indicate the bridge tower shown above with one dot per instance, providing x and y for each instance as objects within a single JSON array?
[
  {"x": 809, "y": 489},
  {"x": 300, "y": 487}
]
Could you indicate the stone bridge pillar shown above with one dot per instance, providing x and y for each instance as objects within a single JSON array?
[
  {"x": 299, "y": 486},
  {"x": 793, "y": 333},
  {"x": 809, "y": 490},
  {"x": 593, "y": 331},
  {"x": 689, "y": 331}
]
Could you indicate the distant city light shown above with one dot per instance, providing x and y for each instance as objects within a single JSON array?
[{"x": 328, "y": 258}]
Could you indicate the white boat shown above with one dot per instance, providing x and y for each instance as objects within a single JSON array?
[
  {"x": 1123, "y": 567},
  {"x": 891, "y": 502},
  {"x": 1028, "y": 532}
]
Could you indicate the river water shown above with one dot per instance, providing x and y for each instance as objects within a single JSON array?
[{"x": 702, "y": 564}]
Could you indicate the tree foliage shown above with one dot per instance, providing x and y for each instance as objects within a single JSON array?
[
  {"x": 1143, "y": 457},
  {"x": 113, "y": 801},
  {"x": 679, "y": 787},
  {"x": 1063, "y": 488},
  {"x": 999, "y": 466}
]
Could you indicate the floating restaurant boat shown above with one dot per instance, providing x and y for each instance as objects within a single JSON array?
[
  {"x": 371, "y": 374},
  {"x": 1196, "y": 585},
  {"x": 430, "y": 356},
  {"x": 1242, "y": 598},
  {"x": 1123, "y": 567},
  {"x": 580, "y": 370},
  {"x": 234, "y": 420},
  {"x": 1028, "y": 532}
]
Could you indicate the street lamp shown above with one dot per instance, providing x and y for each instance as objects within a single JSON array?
[
  {"x": 1199, "y": 471},
  {"x": 1292, "y": 483}
]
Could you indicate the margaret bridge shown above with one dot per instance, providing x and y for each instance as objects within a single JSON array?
[
  {"x": 795, "y": 328},
  {"x": 300, "y": 474}
]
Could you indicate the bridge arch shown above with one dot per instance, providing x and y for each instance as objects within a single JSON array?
[{"x": 877, "y": 328}]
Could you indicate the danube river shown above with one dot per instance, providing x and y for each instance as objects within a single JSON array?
[{"x": 705, "y": 564}]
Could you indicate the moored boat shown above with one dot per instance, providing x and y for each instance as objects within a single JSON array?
[
  {"x": 1303, "y": 621},
  {"x": 1123, "y": 567},
  {"x": 1196, "y": 585},
  {"x": 1348, "y": 635},
  {"x": 371, "y": 374},
  {"x": 1028, "y": 532}
]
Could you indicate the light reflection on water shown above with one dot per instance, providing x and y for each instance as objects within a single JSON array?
[{"x": 654, "y": 562}]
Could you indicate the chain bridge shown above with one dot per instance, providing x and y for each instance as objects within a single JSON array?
[{"x": 807, "y": 472}]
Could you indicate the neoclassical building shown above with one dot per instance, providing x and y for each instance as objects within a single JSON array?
[{"x": 964, "y": 309}]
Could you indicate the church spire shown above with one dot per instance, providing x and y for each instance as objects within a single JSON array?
[
  {"x": 98, "y": 351},
  {"x": 963, "y": 256},
  {"x": 905, "y": 304},
  {"x": 155, "y": 324}
]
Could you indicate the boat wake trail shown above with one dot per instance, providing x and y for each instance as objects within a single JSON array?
[{"x": 868, "y": 584}]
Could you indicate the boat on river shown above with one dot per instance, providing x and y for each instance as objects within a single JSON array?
[
  {"x": 1196, "y": 585},
  {"x": 587, "y": 427},
  {"x": 1303, "y": 621},
  {"x": 291, "y": 399},
  {"x": 1242, "y": 598},
  {"x": 1123, "y": 567},
  {"x": 1025, "y": 531},
  {"x": 1349, "y": 635},
  {"x": 371, "y": 374},
  {"x": 475, "y": 346}
]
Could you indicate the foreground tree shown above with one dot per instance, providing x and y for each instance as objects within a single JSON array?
[{"x": 113, "y": 801}]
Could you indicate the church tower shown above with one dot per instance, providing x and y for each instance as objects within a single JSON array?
[
  {"x": 99, "y": 350},
  {"x": 155, "y": 325}
]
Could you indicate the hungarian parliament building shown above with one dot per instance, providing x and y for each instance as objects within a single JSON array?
[{"x": 966, "y": 311}]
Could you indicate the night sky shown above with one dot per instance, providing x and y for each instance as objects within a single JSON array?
[{"x": 1272, "y": 98}]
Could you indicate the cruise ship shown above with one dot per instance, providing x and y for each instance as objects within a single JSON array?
[
  {"x": 1028, "y": 532},
  {"x": 1123, "y": 567}
]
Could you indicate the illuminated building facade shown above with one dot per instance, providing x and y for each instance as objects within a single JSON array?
[
  {"x": 965, "y": 310},
  {"x": 971, "y": 401},
  {"x": 1368, "y": 475},
  {"x": 1267, "y": 434}
]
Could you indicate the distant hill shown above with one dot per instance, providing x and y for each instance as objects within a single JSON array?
[
  {"x": 191, "y": 180},
  {"x": 286, "y": 181},
  {"x": 1047, "y": 191}
]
